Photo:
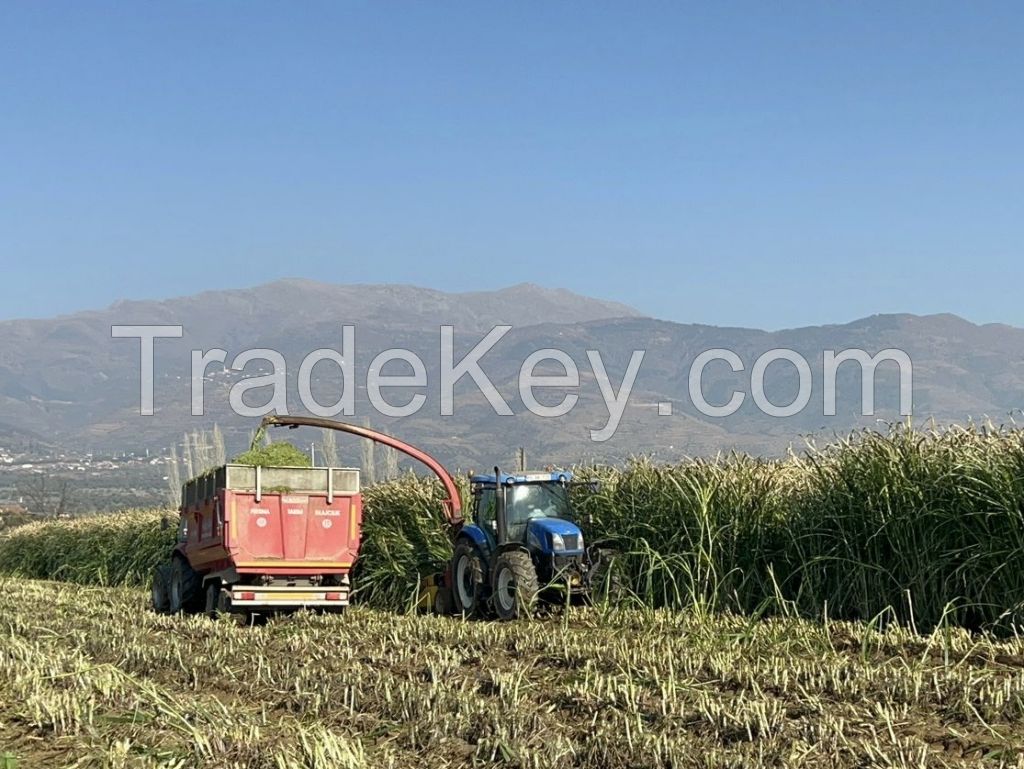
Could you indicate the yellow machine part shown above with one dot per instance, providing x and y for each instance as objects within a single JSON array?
[{"x": 428, "y": 593}]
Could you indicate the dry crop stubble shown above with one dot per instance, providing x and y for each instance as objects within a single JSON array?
[{"x": 95, "y": 680}]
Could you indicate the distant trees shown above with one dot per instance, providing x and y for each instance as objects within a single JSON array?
[
  {"x": 9, "y": 518},
  {"x": 369, "y": 452},
  {"x": 173, "y": 479},
  {"x": 369, "y": 463},
  {"x": 201, "y": 450},
  {"x": 46, "y": 495},
  {"x": 390, "y": 463},
  {"x": 329, "y": 448}
]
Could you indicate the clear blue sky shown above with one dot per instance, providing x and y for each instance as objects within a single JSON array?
[{"x": 762, "y": 164}]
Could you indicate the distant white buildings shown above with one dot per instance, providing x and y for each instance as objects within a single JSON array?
[{"x": 14, "y": 462}]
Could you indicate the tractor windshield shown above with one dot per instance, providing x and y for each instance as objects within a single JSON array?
[{"x": 535, "y": 500}]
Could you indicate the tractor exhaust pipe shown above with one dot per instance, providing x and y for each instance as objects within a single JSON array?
[{"x": 499, "y": 508}]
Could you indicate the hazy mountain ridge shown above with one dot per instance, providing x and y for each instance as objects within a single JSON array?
[{"x": 67, "y": 381}]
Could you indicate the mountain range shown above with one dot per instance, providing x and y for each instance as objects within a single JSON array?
[{"x": 66, "y": 382}]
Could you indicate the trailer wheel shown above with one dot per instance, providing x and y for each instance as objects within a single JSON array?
[
  {"x": 159, "y": 589},
  {"x": 212, "y": 593},
  {"x": 514, "y": 585},
  {"x": 468, "y": 578},
  {"x": 185, "y": 593}
]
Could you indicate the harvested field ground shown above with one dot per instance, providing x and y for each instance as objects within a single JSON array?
[{"x": 91, "y": 678}]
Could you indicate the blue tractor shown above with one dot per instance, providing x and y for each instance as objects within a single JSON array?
[{"x": 522, "y": 546}]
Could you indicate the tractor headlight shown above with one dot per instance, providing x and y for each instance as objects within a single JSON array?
[{"x": 557, "y": 543}]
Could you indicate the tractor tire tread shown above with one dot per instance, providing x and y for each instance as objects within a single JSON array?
[{"x": 521, "y": 565}]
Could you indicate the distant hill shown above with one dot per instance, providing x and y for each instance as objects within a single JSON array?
[{"x": 65, "y": 381}]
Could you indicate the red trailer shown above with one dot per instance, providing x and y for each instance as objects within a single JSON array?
[
  {"x": 266, "y": 539},
  {"x": 263, "y": 539}
]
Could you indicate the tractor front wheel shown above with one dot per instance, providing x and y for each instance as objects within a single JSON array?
[
  {"x": 606, "y": 582},
  {"x": 514, "y": 585}
]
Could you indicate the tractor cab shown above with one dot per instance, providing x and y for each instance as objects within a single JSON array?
[{"x": 538, "y": 513}]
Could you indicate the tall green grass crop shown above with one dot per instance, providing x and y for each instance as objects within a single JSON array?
[
  {"x": 924, "y": 524},
  {"x": 405, "y": 537},
  {"x": 923, "y": 527},
  {"x": 113, "y": 549},
  {"x": 701, "y": 533}
]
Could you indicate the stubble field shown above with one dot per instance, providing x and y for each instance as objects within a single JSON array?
[{"x": 90, "y": 678}]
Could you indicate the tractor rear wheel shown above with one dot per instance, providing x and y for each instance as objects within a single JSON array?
[
  {"x": 160, "y": 588},
  {"x": 469, "y": 580},
  {"x": 514, "y": 585},
  {"x": 185, "y": 593}
]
